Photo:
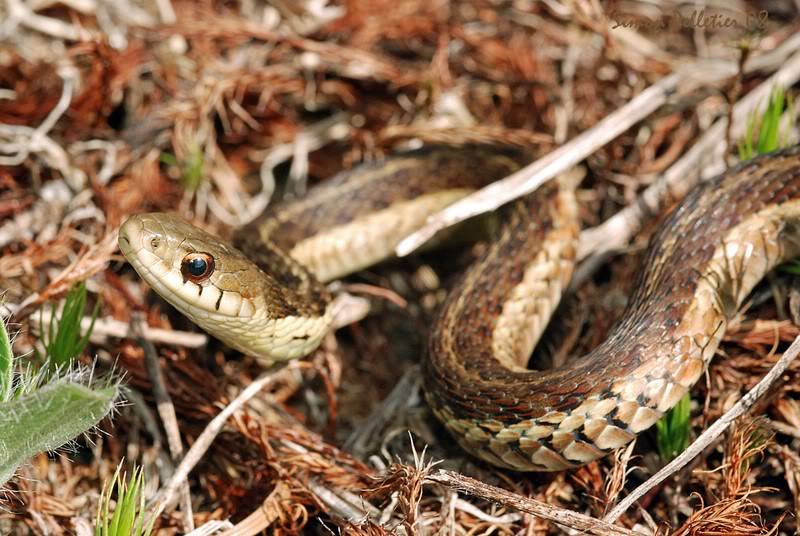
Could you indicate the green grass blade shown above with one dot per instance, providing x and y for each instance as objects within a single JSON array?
[
  {"x": 101, "y": 526},
  {"x": 126, "y": 506},
  {"x": 770, "y": 126},
  {"x": 168, "y": 159},
  {"x": 51, "y": 328},
  {"x": 114, "y": 526},
  {"x": 85, "y": 339},
  {"x": 672, "y": 430},
  {"x": 64, "y": 341},
  {"x": 129, "y": 511},
  {"x": 763, "y": 131},
  {"x": 193, "y": 168},
  {"x": 785, "y": 138},
  {"x": 69, "y": 326}
]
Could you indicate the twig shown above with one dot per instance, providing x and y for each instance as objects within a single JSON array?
[
  {"x": 109, "y": 162},
  {"x": 474, "y": 511},
  {"x": 19, "y": 13},
  {"x": 617, "y": 231},
  {"x": 344, "y": 504},
  {"x": 165, "y": 11},
  {"x": 447, "y": 514},
  {"x": 783, "y": 428},
  {"x": 534, "y": 175},
  {"x": 165, "y": 466},
  {"x": 567, "y": 518},
  {"x": 598, "y": 243},
  {"x": 51, "y": 203},
  {"x": 558, "y": 161},
  {"x": 166, "y": 496},
  {"x": 95, "y": 258},
  {"x": 379, "y": 292},
  {"x": 314, "y": 137},
  {"x": 111, "y": 327},
  {"x": 166, "y": 410},
  {"x": 713, "y": 431},
  {"x": 211, "y": 527},
  {"x": 472, "y": 134},
  {"x": 346, "y": 509},
  {"x": 26, "y": 140}
]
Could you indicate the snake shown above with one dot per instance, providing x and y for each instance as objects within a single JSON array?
[{"x": 264, "y": 293}]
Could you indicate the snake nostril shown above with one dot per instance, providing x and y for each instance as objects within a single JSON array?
[{"x": 155, "y": 242}]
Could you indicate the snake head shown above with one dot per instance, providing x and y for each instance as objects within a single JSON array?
[
  {"x": 216, "y": 286},
  {"x": 193, "y": 270}
]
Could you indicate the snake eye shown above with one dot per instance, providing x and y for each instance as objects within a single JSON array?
[{"x": 197, "y": 266}]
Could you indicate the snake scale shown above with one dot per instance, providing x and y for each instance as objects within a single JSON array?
[{"x": 263, "y": 293}]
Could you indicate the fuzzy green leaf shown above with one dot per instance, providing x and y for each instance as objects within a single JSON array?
[
  {"x": 47, "y": 418},
  {"x": 6, "y": 364}
]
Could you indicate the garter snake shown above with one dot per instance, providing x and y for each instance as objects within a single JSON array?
[{"x": 263, "y": 293}]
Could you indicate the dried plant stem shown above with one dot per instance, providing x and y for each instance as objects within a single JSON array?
[
  {"x": 34, "y": 141},
  {"x": 20, "y": 14},
  {"x": 713, "y": 431},
  {"x": 560, "y": 160},
  {"x": 567, "y": 518},
  {"x": 165, "y": 11},
  {"x": 111, "y": 327},
  {"x": 704, "y": 160},
  {"x": 166, "y": 410},
  {"x": 166, "y": 496}
]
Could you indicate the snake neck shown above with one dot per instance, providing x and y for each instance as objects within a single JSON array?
[
  {"x": 352, "y": 221},
  {"x": 701, "y": 264}
]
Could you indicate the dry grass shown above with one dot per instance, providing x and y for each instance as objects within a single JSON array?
[{"x": 206, "y": 107}]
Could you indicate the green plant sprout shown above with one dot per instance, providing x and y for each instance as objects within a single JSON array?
[
  {"x": 128, "y": 516},
  {"x": 62, "y": 340},
  {"x": 768, "y": 126},
  {"x": 672, "y": 431}
]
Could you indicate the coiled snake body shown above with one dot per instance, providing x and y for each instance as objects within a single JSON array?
[{"x": 264, "y": 295}]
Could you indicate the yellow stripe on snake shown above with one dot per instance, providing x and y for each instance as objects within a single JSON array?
[{"x": 263, "y": 294}]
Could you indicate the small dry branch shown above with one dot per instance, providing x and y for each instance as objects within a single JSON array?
[{"x": 566, "y": 518}]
